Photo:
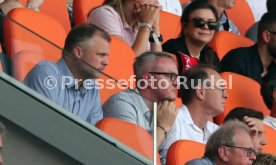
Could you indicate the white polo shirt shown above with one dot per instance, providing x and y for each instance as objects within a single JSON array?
[
  {"x": 185, "y": 129},
  {"x": 171, "y": 6}
]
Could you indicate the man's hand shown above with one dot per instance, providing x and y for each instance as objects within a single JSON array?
[
  {"x": 148, "y": 13},
  {"x": 166, "y": 114},
  {"x": 252, "y": 125}
]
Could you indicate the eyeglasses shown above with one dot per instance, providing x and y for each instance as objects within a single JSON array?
[
  {"x": 249, "y": 151},
  {"x": 272, "y": 32},
  {"x": 171, "y": 76},
  {"x": 220, "y": 88},
  {"x": 200, "y": 23}
]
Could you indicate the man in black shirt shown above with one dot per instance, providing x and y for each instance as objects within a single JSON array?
[{"x": 257, "y": 60}]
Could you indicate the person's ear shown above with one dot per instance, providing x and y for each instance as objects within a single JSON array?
[
  {"x": 78, "y": 52},
  {"x": 200, "y": 92},
  {"x": 266, "y": 36},
  {"x": 146, "y": 80},
  {"x": 223, "y": 153},
  {"x": 274, "y": 96}
]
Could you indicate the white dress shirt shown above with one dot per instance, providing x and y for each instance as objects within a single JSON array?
[
  {"x": 270, "y": 121},
  {"x": 185, "y": 129},
  {"x": 258, "y": 8},
  {"x": 171, "y": 6}
]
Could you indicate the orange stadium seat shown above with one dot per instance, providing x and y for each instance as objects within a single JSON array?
[
  {"x": 178, "y": 102},
  {"x": 242, "y": 16},
  {"x": 121, "y": 60},
  {"x": 18, "y": 38},
  {"x": 25, "y": 60},
  {"x": 270, "y": 135},
  {"x": 130, "y": 134},
  {"x": 225, "y": 41},
  {"x": 56, "y": 9},
  {"x": 183, "y": 151},
  {"x": 184, "y": 1},
  {"x": 81, "y": 9},
  {"x": 1, "y": 67},
  {"x": 242, "y": 92},
  {"x": 170, "y": 25}
]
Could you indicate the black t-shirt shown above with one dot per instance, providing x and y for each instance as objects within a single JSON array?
[
  {"x": 207, "y": 55},
  {"x": 245, "y": 61}
]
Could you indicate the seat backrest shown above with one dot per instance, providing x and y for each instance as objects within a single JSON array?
[
  {"x": 55, "y": 9},
  {"x": 178, "y": 102},
  {"x": 242, "y": 16},
  {"x": 130, "y": 134},
  {"x": 1, "y": 66},
  {"x": 25, "y": 60},
  {"x": 184, "y": 1},
  {"x": 225, "y": 41},
  {"x": 120, "y": 67},
  {"x": 18, "y": 38},
  {"x": 270, "y": 135},
  {"x": 242, "y": 92},
  {"x": 183, "y": 151},
  {"x": 170, "y": 25},
  {"x": 81, "y": 9}
]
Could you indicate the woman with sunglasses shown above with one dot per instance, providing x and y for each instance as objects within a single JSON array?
[
  {"x": 135, "y": 21},
  {"x": 199, "y": 22}
]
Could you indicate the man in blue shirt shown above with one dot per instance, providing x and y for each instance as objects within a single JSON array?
[{"x": 69, "y": 82}]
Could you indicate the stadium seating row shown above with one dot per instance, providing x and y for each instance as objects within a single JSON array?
[{"x": 25, "y": 50}]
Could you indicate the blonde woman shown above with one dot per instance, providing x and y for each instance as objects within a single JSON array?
[{"x": 135, "y": 21}]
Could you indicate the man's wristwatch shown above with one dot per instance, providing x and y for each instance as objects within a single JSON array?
[{"x": 152, "y": 40}]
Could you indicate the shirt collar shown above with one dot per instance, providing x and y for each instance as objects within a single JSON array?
[
  {"x": 145, "y": 109},
  {"x": 65, "y": 71},
  {"x": 61, "y": 64},
  {"x": 223, "y": 18},
  {"x": 186, "y": 112},
  {"x": 189, "y": 119},
  {"x": 127, "y": 27},
  {"x": 258, "y": 56}
]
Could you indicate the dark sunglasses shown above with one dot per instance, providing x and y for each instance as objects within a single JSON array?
[{"x": 200, "y": 23}]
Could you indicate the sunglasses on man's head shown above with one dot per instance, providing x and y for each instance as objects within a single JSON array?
[{"x": 200, "y": 23}]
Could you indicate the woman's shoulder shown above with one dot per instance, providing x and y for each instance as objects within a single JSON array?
[
  {"x": 173, "y": 43},
  {"x": 174, "y": 40},
  {"x": 103, "y": 8},
  {"x": 104, "y": 14}
]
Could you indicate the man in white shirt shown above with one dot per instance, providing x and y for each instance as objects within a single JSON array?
[
  {"x": 171, "y": 6},
  {"x": 203, "y": 96},
  {"x": 268, "y": 92}
]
